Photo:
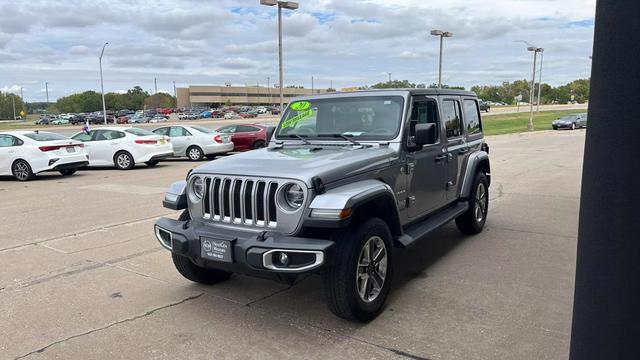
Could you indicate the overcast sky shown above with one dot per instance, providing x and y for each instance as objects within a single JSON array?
[{"x": 351, "y": 42}]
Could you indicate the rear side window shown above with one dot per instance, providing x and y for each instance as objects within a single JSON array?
[
  {"x": 83, "y": 137},
  {"x": 452, "y": 119},
  {"x": 472, "y": 117},
  {"x": 245, "y": 128},
  {"x": 136, "y": 131},
  {"x": 162, "y": 131},
  {"x": 9, "y": 141},
  {"x": 178, "y": 131},
  {"x": 45, "y": 136},
  {"x": 227, "y": 129}
]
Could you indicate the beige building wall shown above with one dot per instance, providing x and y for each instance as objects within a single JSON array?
[{"x": 198, "y": 95}]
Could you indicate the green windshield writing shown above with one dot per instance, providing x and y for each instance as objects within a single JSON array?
[
  {"x": 300, "y": 105},
  {"x": 296, "y": 119}
]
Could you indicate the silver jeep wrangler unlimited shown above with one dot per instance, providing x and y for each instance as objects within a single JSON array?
[{"x": 347, "y": 179}]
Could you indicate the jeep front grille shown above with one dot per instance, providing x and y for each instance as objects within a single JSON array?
[{"x": 241, "y": 201}]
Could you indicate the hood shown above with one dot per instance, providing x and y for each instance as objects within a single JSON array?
[{"x": 330, "y": 163}]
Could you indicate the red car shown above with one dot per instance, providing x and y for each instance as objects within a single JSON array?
[
  {"x": 122, "y": 120},
  {"x": 246, "y": 136}
]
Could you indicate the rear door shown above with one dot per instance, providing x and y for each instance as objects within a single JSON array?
[
  {"x": 246, "y": 135},
  {"x": 8, "y": 151},
  {"x": 105, "y": 144},
  {"x": 455, "y": 146},
  {"x": 181, "y": 138}
]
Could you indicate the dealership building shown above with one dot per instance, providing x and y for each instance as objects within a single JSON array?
[{"x": 204, "y": 95}]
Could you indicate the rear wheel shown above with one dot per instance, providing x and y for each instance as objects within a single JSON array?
[
  {"x": 259, "y": 144},
  {"x": 194, "y": 272},
  {"x": 194, "y": 153},
  {"x": 473, "y": 220},
  {"x": 124, "y": 161},
  {"x": 22, "y": 170},
  {"x": 358, "y": 279},
  {"x": 67, "y": 172}
]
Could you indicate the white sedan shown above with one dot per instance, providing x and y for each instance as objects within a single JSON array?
[
  {"x": 26, "y": 153},
  {"x": 196, "y": 142},
  {"x": 124, "y": 147}
]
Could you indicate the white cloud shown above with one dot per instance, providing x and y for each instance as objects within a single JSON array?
[{"x": 347, "y": 42}]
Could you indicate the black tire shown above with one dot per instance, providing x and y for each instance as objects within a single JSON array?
[
  {"x": 471, "y": 222},
  {"x": 152, "y": 163},
  {"x": 341, "y": 279},
  {"x": 123, "y": 160},
  {"x": 194, "y": 272},
  {"x": 259, "y": 144},
  {"x": 21, "y": 170},
  {"x": 194, "y": 153},
  {"x": 68, "y": 172}
]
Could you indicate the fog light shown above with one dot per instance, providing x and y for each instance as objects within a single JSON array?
[
  {"x": 52, "y": 161},
  {"x": 283, "y": 258}
]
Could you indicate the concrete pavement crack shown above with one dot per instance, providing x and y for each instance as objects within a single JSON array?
[
  {"x": 150, "y": 312},
  {"x": 390, "y": 349}
]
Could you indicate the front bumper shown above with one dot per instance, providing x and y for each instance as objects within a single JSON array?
[{"x": 252, "y": 253}]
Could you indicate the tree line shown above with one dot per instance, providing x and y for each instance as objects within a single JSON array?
[
  {"x": 134, "y": 99},
  {"x": 7, "y": 101}
]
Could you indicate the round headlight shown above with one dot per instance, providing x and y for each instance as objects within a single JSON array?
[
  {"x": 293, "y": 196},
  {"x": 196, "y": 191}
]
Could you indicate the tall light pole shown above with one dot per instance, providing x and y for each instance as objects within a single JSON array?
[
  {"x": 104, "y": 107},
  {"x": 269, "y": 87},
  {"x": 539, "y": 80},
  {"x": 389, "y": 74},
  {"x": 312, "y": 84},
  {"x": 442, "y": 35},
  {"x": 13, "y": 97},
  {"x": 46, "y": 89},
  {"x": 175, "y": 94},
  {"x": 535, "y": 51},
  {"x": 291, "y": 5}
]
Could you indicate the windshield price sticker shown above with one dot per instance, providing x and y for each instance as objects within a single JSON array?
[
  {"x": 300, "y": 105},
  {"x": 296, "y": 119}
]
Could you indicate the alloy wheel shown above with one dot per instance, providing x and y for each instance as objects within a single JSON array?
[
  {"x": 480, "y": 206},
  {"x": 123, "y": 161},
  {"x": 21, "y": 170},
  {"x": 372, "y": 269}
]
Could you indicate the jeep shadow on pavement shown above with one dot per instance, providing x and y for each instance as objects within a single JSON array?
[{"x": 346, "y": 179}]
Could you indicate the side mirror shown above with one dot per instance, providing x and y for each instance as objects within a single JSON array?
[{"x": 426, "y": 134}]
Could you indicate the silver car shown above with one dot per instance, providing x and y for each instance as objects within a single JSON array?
[{"x": 196, "y": 142}]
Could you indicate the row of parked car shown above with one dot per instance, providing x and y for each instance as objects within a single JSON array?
[
  {"x": 228, "y": 112},
  {"x": 23, "y": 154},
  {"x": 117, "y": 117}
]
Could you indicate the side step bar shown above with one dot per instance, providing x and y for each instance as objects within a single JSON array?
[{"x": 417, "y": 231}]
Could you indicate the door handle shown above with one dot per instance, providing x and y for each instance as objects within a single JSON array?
[
  {"x": 463, "y": 151},
  {"x": 440, "y": 158}
]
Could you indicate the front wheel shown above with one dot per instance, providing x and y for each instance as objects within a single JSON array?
[
  {"x": 473, "y": 220},
  {"x": 358, "y": 279}
]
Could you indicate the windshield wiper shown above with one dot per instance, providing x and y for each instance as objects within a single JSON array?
[
  {"x": 343, "y": 136},
  {"x": 296, "y": 136}
]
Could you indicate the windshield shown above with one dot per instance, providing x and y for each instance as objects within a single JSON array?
[
  {"x": 363, "y": 118},
  {"x": 202, "y": 129},
  {"x": 45, "y": 136},
  {"x": 139, "y": 132}
]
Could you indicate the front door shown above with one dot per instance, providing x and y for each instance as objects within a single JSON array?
[
  {"x": 455, "y": 146},
  {"x": 426, "y": 167}
]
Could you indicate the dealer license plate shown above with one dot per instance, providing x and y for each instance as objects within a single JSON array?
[{"x": 218, "y": 250}]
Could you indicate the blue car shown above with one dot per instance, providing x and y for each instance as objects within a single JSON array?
[{"x": 205, "y": 114}]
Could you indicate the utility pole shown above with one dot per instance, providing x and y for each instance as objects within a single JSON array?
[
  {"x": 155, "y": 82},
  {"x": 175, "y": 94},
  {"x": 389, "y": 76},
  {"x": 269, "y": 87},
  {"x": 13, "y": 97},
  {"x": 312, "y": 84}
]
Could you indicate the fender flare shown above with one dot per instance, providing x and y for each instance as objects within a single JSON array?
[
  {"x": 354, "y": 196},
  {"x": 176, "y": 196},
  {"x": 477, "y": 161}
]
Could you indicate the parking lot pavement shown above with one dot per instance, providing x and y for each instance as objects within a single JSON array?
[{"x": 83, "y": 276}]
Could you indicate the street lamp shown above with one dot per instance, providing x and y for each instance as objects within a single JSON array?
[
  {"x": 104, "y": 107},
  {"x": 442, "y": 35},
  {"x": 539, "y": 80},
  {"x": 291, "y": 5},
  {"x": 535, "y": 51}
]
